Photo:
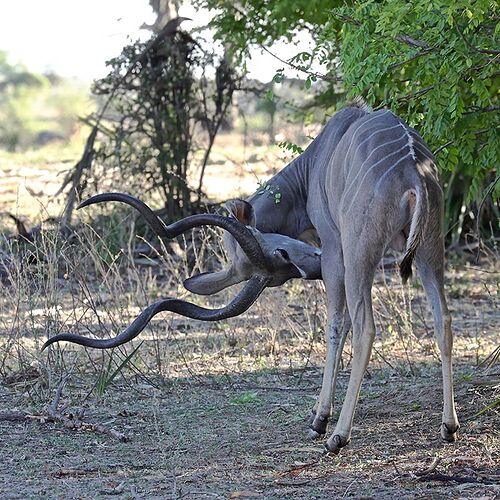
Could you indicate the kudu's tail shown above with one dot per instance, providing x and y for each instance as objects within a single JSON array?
[{"x": 417, "y": 226}]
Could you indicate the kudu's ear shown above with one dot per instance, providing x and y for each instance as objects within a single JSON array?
[
  {"x": 209, "y": 283},
  {"x": 242, "y": 211}
]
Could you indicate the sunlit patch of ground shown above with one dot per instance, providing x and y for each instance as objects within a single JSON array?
[{"x": 29, "y": 180}]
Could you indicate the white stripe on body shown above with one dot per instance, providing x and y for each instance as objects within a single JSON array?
[
  {"x": 368, "y": 157},
  {"x": 410, "y": 141},
  {"x": 353, "y": 136},
  {"x": 373, "y": 166},
  {"x": 419, "y": 142},
  {"x": 424, "y": 154}
]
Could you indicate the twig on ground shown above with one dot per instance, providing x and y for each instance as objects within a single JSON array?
[
  {"x": 73, "y": 472},
  {"x": 291, "y": 482},
  {"x": 52, "y": 409},
  {"x": 348, "y": 488},
  {"x": 398, "y": 472},
  {"x": 13, "y": 416},
  {"x": 432, "y": 467},
  {"x": 76, "y": 422},
  {"x": 297, "y": 469},
  {"x": 456, "y": 478},
  {"x": 430, "y": 474},
  {"x": 250, "y": 387}
]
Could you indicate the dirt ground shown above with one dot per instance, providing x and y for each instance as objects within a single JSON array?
[
  {"x": 244, "y": 437},
  {"x": 229, "y": 422},
  {"x": 220, "y": 411}
]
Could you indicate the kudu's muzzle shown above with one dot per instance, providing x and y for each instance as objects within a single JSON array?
[{"x": 245, "y": 298}]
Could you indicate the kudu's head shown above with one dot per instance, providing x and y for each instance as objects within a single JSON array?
[
  {"x": 287, "y": 257},
  {"x": 261, "y": 259}
]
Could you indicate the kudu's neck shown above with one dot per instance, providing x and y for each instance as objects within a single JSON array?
[
  {"x": 301, "y": 179},
  {"x": 280, "y": 205}
]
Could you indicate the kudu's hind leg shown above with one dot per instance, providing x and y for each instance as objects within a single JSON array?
[
  {"x": 335, "y": 333},
  {"x": 430, "y": 265}
]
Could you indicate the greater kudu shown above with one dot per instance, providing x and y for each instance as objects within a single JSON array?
[{"x": 367, "y": 183}]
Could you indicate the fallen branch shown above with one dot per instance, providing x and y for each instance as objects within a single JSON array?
[
  {"x": 75, "y": 422},
  {"x": 298, "y": 469},
  {"x": 456, "y": 478},
  {"x": 432, "y": 467},
  {"x": 13, "y": 416},
  {"x": 430, "y": 474},
  {"x": 73, "y": 472}
]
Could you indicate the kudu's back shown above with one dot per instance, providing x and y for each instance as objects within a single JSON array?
[{"x": 380, "y": 184}]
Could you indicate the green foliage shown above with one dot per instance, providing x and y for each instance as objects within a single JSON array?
[
  {"x": 109, "y": 372},
  {"x": 246, "y": 398},
  {"x": 18, "y": 89},
  {"x": 433, "y": 62},
  {"x": 270, "y": 191},
  {"x": 290, "y": 146},
  {"x": 260, "y": 22},
  {"x": 36, "y": 108}
]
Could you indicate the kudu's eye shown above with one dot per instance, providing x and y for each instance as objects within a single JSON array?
[{"x": 283, "y": 253}]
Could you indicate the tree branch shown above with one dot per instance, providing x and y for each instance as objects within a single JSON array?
[
  {"x": 321, "y": 76},
  {"x": 473, "y": 47},
  {"x": 423, "y": 52},
  {"x": 487, "y": 109},
  {"x": 407, "y": 39},
  {"x": 412, "y": 42}
]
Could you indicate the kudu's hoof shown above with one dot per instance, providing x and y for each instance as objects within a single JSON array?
[
  {"x": 317, "y": 426},
  {"x": 313, "y": 435},
  {"x": 449, "y": 432},
  {"x": 335, "y": 443}
]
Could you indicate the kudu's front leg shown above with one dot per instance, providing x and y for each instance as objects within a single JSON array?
[
  {"x": 359, "y": 278},
  {"x": 336, "y": 332}
]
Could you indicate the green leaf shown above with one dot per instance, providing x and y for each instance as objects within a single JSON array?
[
  {"x": 246, "y": 398},
  {"x": 278, "y": 77}
]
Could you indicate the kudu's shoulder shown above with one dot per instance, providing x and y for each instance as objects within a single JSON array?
[
  {"x": 326, "y": 142},
  {"x": 353, "y": 125},
  {"x": 375, "y": 126}
]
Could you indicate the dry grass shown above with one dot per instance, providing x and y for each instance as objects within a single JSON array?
[{"x": 218, "y": 409}]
